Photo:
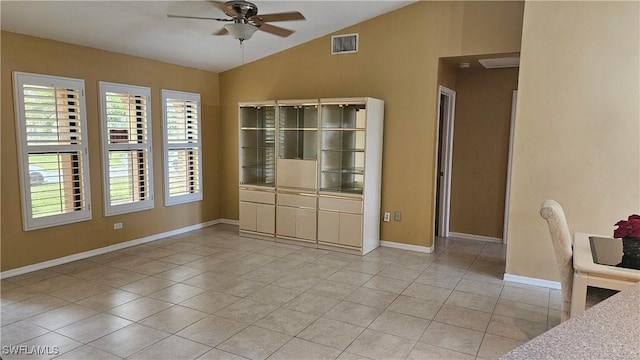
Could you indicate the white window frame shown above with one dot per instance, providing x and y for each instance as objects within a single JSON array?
[
  {"x": 139, "y": 205},
  {"x": 193, "y": 144},
  {"x": 20, "y": 79}
]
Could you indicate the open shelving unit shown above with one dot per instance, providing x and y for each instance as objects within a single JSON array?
[
  {"x": 257, "y": 157},
  {"x": 298, "y": 131},
  {"x": 310, "y": 172},
  {"x": 258, "y": 145},
  {"x": 343, "y": 148},
  {"x": 350, "y": 171},
  {"x": 296, "y": 193}
]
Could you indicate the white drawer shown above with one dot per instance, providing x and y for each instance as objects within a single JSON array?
[
  {"x": 297, "y": 200},
  {"x": 342, "y": 205},
  {"x": 257, "y": 196}
]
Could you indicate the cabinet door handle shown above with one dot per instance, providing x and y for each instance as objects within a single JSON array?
[
  {"x": 296, "y": 193},
  {"x": 252, "y": 189},
  {"x": 339, "y": 197}
]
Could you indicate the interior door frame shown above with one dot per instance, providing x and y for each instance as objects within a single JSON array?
[
  {"x": 445, "y": 152},
  {"x": 514, "y": 101}
]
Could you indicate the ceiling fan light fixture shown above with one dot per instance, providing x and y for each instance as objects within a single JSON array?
[{"x": 241, "y": 31}]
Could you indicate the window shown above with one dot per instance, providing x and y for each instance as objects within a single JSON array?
[
  {"x": 52, "y": 150},
  {"x": 126, "y": 148},
  {"x": 182, "y": 150}
]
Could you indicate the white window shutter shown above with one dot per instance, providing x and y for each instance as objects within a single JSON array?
[
  {"x": 53, "y": 152},
  {"x": 126, "y": 148},
  {"x": 182, "y": 147}
]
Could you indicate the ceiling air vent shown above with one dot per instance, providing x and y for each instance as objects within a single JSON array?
[
  {"x": 344, "y": 44},
  {"x": 499, "y": 63}
]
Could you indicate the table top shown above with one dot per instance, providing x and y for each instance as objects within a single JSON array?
[
  {"x": 610, "y": 251},
  {"x": 608, "y": 330},
  {"x": 583, "y": 261}
]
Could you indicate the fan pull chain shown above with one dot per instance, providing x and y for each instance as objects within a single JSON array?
[{"x": 242, "y": 50}]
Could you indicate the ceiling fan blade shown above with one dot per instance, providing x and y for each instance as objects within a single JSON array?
[
  {"x": 196, "y": 17},
  {"x": 275, "y": 30},
  {"x": 288, "y": 16},
  {"x": 224, "y": 8},
  {"x": 222, "y": 31}
]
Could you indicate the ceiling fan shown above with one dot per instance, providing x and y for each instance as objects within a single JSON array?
[{"x": 244, "y": 20}]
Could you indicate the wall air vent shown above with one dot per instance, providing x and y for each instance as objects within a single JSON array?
[
  {"x": 499, "y": 63},
  {"x": 344, "y": 44}
]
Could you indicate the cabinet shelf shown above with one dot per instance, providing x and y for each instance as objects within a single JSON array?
[
  {"x": 344, "y": 171},
  {"x": 265, "y": 184},
  {"x": 344, "y": 150},
  {"x": 273, "y": 146},
  {"x": 253, "y": 166},
  {"x": 258, "y": 128},
  {"x": 299, "y": 129},
  {"x": 345, "y": 190},
  {"x": 342, "y": 129}
]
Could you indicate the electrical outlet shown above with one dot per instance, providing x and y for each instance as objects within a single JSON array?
[
  {"x": 396, "y": 216},
  {"x": 117, "y": 226},
  {"x": 387, "y": 217}
]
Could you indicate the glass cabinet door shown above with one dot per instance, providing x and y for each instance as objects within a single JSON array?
[
  {"x": 257, "y": 145},
  {"x": 342, "y": 150},
  {"x": 298, "y": 126}
]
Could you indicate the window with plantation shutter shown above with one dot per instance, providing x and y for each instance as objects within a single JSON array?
[
  {"x": 126, "y": 148},
  {"x": 52, "y": 150},
  {"x": 182, "y": 150}
]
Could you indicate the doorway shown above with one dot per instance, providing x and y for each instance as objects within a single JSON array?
[
  {"x": 471, "y": 194},
  {"x": 446, "y": 113},
  {"x": 514, "y": 100}
]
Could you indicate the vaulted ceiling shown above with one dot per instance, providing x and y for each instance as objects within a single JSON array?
[{"x": 142, "y": 28}]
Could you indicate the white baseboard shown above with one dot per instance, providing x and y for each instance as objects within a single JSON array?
[
  {"x": 228, "y": 222},
  {"x": 532, "y": 281},
  {"x": 395, "y": 245},
  {"x": 106, "y": 249},
  {"x": 474, "y": 237}
]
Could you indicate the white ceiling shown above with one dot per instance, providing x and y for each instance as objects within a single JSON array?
[{"x": 142, "y": 28}]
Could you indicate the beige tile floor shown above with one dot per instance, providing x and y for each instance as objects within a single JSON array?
[{"x": 211, "y": 294}]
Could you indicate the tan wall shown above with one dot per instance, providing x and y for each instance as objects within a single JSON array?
[
  {"x": 397, "y": 62},
  {"x": 35, "y": 55},
  {"x": 577, "y": 125},
  {"x": 447, "y": 73},
  {"x": 481, "y": 150}
]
